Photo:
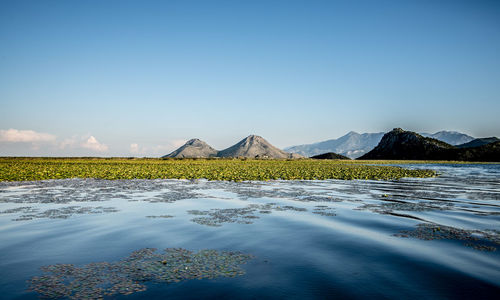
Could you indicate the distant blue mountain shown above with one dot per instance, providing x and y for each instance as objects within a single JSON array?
[
  {"x": 450, "y": 137},
  {"x": 354, "y": 145}
]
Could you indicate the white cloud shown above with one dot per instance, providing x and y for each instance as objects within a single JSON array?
[
  {"x": 166, "y": 149},
  {"x": 156, "y": 150},
  {"x": 93, "y": 144},
  {"x": 87, "y": 142},
  {"x": 25, "y": 136},
  {"x": 134, "y": 148},
  {"x": 68, "y": 143}
]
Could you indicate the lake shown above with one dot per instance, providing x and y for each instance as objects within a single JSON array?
[{"x": 129, "y": 239}]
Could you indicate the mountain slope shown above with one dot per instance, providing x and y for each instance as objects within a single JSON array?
[
  {"x": 351, "y": 145},
  {"x": 450, "y": 137},
  {"x": 400, "y": 144},
  {"x": 407, "y": 145},
  {"x": 255, "y": 146},
  {"x": 488, "y": 152},
  {"x": 193, "y": 148},
  {"x": 479, "y": 142}
]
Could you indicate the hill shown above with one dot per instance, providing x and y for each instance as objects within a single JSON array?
[
  {"x": 193, "y": 148},
  {"x": 479, "y": 142},
  {"x": 488, "y": 152},
  {"x": 400, "y": 144},
  {"x": 330, "y": 155},
  {"x": 407, "y": 145},
  {"x": 255, "y": 146}
]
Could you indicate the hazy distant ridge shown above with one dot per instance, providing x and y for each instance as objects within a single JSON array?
[
  {"x": 352, "y": 145},
  {"x": 450, "y": 137}
]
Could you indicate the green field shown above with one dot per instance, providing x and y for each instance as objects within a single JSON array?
[{"x": 23, "y": 169}]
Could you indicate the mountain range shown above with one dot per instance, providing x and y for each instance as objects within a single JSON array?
[
  {"x": 354, "y": 145},
  {"x": 253, "y": 146},
  {"x": 399, "y": 144}
]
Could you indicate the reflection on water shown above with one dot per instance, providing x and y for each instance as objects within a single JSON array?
[{"x": 411, "y": 238}]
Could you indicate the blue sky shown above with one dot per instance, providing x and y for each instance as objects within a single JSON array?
[{"x": 138, "y": 78}]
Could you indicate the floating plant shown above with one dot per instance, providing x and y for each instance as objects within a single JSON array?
[
  {"x": 25, "y": 169},
  {"x": 324, "y": 210},
  {"x": 130, "y": 275},
  {"x": 160, "y": 216},
  {"x": 388, "y": 207},
  {"x": 217, "y": 216},
  {"x": 477, "y": 239},
  {"x": 30, "y": 213}
]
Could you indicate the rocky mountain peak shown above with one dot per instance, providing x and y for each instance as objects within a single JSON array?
[
  {"x": 194, "y": 148},
  {"x": 194, "y": 142},
  {"x": 255, "y": 146}
]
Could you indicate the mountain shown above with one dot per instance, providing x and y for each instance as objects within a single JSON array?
[
  {"x": 351, "y": 145},
  {"x": 479, "y": 142},
  {"x": 330, "y": 155},
  {"x": 400, "y": 144},
  {"x": 354, "y": 145},
  {"x": 450, "y": 137},
  {"x": 255, "y": 147},
  {"x": 194, "y": 148},
  {"x": 487, "y": 152}
]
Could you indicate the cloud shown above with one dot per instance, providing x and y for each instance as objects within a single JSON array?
[
  {"x": 87, "y": 142},
  {"x": 25, "y": 136},
  {"x": 155, "y": 150},
  {"x": 165, "y": 149},
  {"x": 68, "y": 143},
  {"x": 92, "y": 144},
  {"x": 134, "y": 148}
]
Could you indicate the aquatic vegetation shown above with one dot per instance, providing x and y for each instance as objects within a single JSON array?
[
  {"x": 462, "y": 197},
  {"x": 160, "y": 216},
  {"x": 28, "y": 169},
  {"x": 324, "y": 210},
  {"x": 95, "y": 190},
  {"x": 30, "y": 213},
  {"x": 485, "y": 240},
  {"x": 217, "y": 216},
  {"x": 130, "y": 275},
  {"x": 389, "y": 206}
]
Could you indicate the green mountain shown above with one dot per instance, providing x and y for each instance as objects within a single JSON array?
[
  {"x": 406, "y": 145},
  {"x": 330, "y": 155}
]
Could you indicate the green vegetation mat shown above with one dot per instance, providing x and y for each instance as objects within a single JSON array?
[{"x": 21, "y": 169}]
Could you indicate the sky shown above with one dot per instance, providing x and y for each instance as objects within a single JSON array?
[{"x": 139, "y": 78}]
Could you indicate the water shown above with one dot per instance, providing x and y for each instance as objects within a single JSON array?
[{"x": 412, "y": 238}]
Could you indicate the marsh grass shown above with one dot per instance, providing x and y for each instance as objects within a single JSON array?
[{"x": 28, "y": 169}]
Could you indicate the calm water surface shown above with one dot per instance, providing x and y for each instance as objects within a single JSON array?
[{"x": 412, "y": 238}]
